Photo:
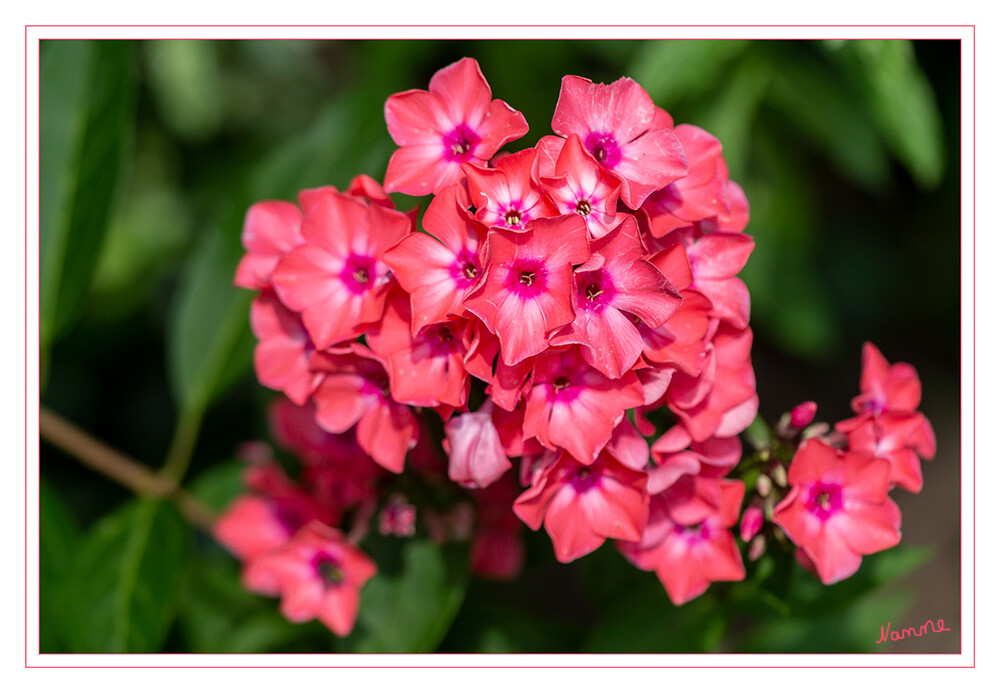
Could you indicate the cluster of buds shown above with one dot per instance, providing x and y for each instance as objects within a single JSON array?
[
  {"x": 570, "y": 312},
  {"x": 831, "y": 499}
]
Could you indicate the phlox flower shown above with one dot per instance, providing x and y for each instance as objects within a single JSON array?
[
  {"x": 574, "y": 406},
  {"x": 687, "y": 541},
  {"x": 578, "y": 185},
  {"x": 676, "y": 454},
  {"x": 337, "y": 279},
  {"x": 507, "y": 195},
  {"x": 439, "y": 269},
  {"x": 318, "y": 574},
  {"x": 616, "y": 123},
  {"x": 426, "y": 369},
  {"x": 701, "y": 194},
  {"x": 438, "y": 130},
  {"x": 838, "y": 508},
  {"x": 526, "y": 291},
  {"x": 614, "y": 286},
  {"x": 899, "y": 437},
  {"x": 270, "y": 230},
  {"x": 355, "y": 390},
  {"x": 582, "y": 505},
  {"x": 281, "y": 357},
  {"x": 476, "y": 457},
  {"x": 885, "y": 387}
]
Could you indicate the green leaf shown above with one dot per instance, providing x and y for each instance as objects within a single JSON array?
[
  {"x": 901, "y": 100},
  {"x": 126, "y": 580},
  {"x": 187, "y": 85},
  {"x": 672, "y": 70},
  {"x": 87, "y": 104},
  {"x": 644, "y": 620},
  {"x": 830, "y": 114},
  {"x": 411, "y": 610},
  {"x": 218, "y": 615},
  {"x": 219, "y": 484},
  {"x": 210, "y": 344},
  {"x": 59, "y": 536}
]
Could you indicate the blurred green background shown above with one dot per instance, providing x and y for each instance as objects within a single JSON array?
[{"x": 151, "y": 152}]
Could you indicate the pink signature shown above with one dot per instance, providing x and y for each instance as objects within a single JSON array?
[{"x": 886, "y": 634}]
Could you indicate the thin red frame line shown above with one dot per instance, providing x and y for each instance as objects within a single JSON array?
[{"x": 972, "y": 26}]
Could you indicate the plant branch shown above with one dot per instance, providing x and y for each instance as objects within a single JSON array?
[{"x": 114, "y": 465}]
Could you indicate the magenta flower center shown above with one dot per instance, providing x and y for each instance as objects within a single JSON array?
[
  {"x": 526, "y": 279},
  {"x": 512, "y": 217},
  {"x": 604, "y": 147},
  {"x": 465, "y": 269},
  {"x": 328, "y": 569},
  {"x": 594, "y": 290},
  {"x": 585, "y": 479},
  {"x": 583, "y": 208},
  {"x": 358, "y": 274},
  {"x": 458, "y": 143},
  {"x": 824, "y": 500},
  {"x": 693, "y": 533}
]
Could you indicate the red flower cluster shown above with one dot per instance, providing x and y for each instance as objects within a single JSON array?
[{"x": 584, "y": 289}]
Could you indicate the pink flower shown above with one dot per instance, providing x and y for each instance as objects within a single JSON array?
[
  {"x": 616, "y": 125},
  {"x": 578, "y": 185},
  {"x": 898, "y": 437},
  {"x": 398, "y": 518},
  {"x": 573, "y": 406},
  {"x": 270, "y": 230},
  {"x": 614, "y": 286},
  {"x": 319, "y": 575},
  {"x": 885, "y": 387},
  {"x": 701, "y": 194},
  {"x": 337, "y": 279},
  {"x": 582, "y": 505},
  {"x": 507, "y": 195},
  {"x": 838, "y": 508},
  {"x": 355, "y": 390},
  {"x": 526, "y": 292},
  {"x": 426, "y": 370},
  {"x": 715, "y": 260},
  {"x": 439, "y": 130},
  {"x": 476, "y": 456},
  {"x": 439, "y": 269},
  {"x": 281, "y": 357},
  {"x": 676, "y": 454},
  {"x": 687, "y": 541}
]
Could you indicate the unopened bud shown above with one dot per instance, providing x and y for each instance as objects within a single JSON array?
[
  {"x": 763, "y": 484},
  {"x": 757, "y": 547},
  {"x": 753, "y": 520},
  {"x": 816, "y": 430},
  {"x": 779, "y": 475},
  {"x": 803, "y": 414}
]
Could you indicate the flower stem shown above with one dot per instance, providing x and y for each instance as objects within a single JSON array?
[{"x": 103, "y": 459}]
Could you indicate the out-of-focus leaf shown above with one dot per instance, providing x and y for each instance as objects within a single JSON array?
[
  {"x": 187, "y": 85},
  {"x": 219, "y": 484},
  {"x": 901, "y": 101},
  {"x": 854, "y": 629},
  {"x": 210, "y": 343},
  {"x": 672, "y": 70},
  {"x": 829, "y": 113},
  {"x": 87, "y": 103},
  {"x": 126, "y": 580},
  {"x": 411, "y": 610},
  {"x": 493, "y": 626},
  {"x": 59, "y": 536},
  {"x": 218, "y": 615},
  {"x": 730, "y": 113},
  {"x": 645, "y": 620}
]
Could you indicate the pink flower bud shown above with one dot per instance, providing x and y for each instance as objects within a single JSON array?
[
  {"x": 802, "y": 415},
  {"x": 753, "y": 520}
]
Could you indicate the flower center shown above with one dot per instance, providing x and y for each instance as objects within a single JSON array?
[
  {"x": 361, "y": 275},
  {"x": 358, "y": 273},
  {"x": 459, "y": 142},
  {"x": 593, "y": 291},
  {"x": 527, "y": 278},
  {"x": 512, "y": 218},
  {"x": 330, "y": 572},
  {"x": 583, "y": 208},
  {"x": 561, "y": 383},
  {"x": 604, "y": 147},
  {"x": 470, "y": 271},
  {"x": 824, "y": 500},
  {"x": 585, "y": 478}
]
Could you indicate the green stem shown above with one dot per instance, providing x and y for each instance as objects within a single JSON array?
[{"x": 182, "y": 446}]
